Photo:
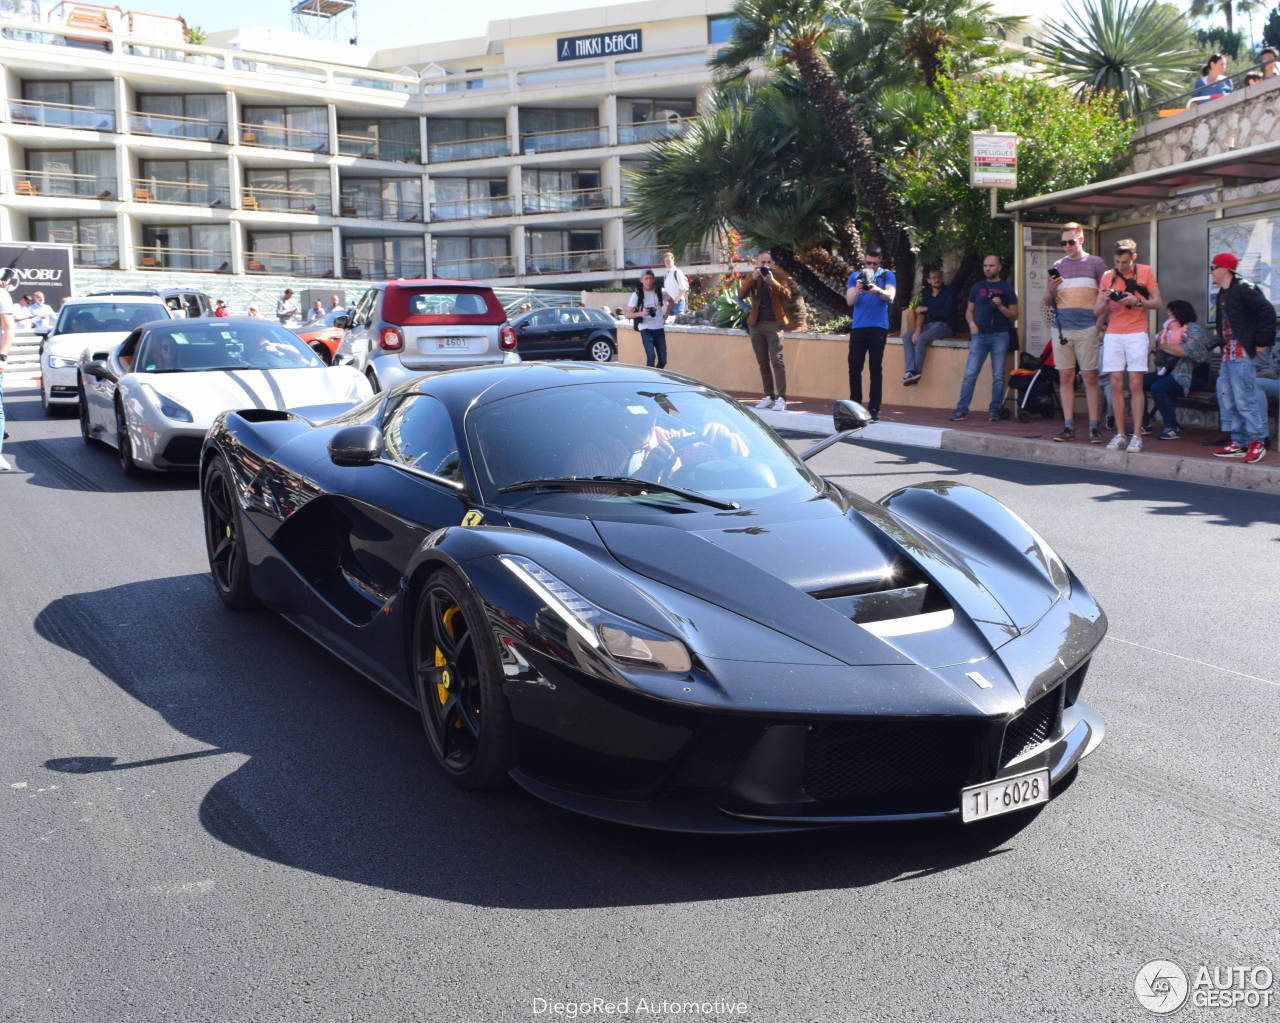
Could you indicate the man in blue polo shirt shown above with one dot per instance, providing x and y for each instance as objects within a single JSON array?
[
  {"x": 869, "y": 300},
  {"x": 993, "y": 306}
]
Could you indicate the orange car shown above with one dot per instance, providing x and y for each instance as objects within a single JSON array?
[{"x": 325, "y": 334}]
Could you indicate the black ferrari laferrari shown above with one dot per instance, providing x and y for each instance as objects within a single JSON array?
[{"x": 619, "y": 588}]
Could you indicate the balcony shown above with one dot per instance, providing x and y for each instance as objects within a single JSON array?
[
  {"x": 373, "y": 208},
  {"x": 647, "y": 131},
  {"x": 171, "y": 126},
  {"x": 276, "y": 137},
  {"x": 284, "y": 200},
  {"x": 181, "y": 193},
  {"x": 63, "y": 183},
  {"x": 368, "y": 147},
  {"x": 167, "y": 257},
  {"x": 579, "y": 261},
  {"x": 465, "y": 83},
  {"x": 472, "y": 209},
  {"x": 561, "y": 139},
  {"x": 382, "y": 269},
  {"x": 297, "y": 264},
  {"x": 480, "y": 269},
  {"x": 469, "y": 149},
  {"x": 60, "y": 115},
  {"x": 566, "y": 200},
  {"x": 649, "y": 256},
  {"x": 93, "y": 254}
]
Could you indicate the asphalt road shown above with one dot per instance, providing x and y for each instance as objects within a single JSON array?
[{"x": 208, "y": 818}]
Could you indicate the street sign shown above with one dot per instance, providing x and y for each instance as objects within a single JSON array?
[{"x": 993, "y": 159}]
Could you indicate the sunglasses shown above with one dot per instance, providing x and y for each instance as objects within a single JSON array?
[
  {"x": 873, "y": 261},
  {"x": 1070, "y": 241}
]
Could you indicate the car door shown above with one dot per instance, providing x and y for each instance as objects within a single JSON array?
[
  {"x": 533, "y": 336},
  {"x": 356, "y": 339},
  {"x": 100, "y": 390}
]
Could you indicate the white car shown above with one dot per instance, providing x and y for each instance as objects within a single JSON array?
[
  {"x": 97, "y": 322},
  {"x": 155, "y": 395}
]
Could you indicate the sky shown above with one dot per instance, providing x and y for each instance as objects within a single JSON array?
[{"x": 379, "y": 23}]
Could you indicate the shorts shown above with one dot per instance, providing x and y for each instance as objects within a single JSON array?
[
  {"x": 1125, "y": 351},
  {"x": 1081, "y": 350}
]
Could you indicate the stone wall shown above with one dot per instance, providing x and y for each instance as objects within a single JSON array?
[{"x": 1245, "y": 118}]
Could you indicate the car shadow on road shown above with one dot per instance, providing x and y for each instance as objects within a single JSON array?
[{"x": 338, "y": 779}]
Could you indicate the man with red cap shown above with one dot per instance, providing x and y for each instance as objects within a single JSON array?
[{"x": 1245, "y": 321}]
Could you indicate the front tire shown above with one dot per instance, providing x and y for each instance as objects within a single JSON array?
[
  {"x": 600, "y": 350},
  {"x": 86, "y": 432},
  {"x": 224, "y": 539},
  {"x": 124, "y": 446},
  {"x": 458, "y": 679},
  {"x": 372, "y": 377}
]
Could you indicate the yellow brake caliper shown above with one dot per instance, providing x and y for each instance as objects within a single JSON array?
[{"x": 442, "y": 687}]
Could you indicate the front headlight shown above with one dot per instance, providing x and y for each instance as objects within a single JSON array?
[
  {"x": 629, "y": 643},
  {"x": 1053, "y": 564},
  {"x": 57, "y": 362},
  {"x": 170, "y": 409}
]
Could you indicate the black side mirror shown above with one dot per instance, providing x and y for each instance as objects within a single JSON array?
[
  {"x": 849, "y": 415},
  {"x": 341, "y": 322},
  {"x": 356, "y": 445},
  {"x": 99, "y": 370}
]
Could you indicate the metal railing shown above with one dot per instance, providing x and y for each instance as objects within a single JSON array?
[
  {"x": 647, "y": 257},
  {"x": 382, "y": 269},
  {"x": 562, "y": 139},
  {"x": 304, "y": 265},
  {"x": 472, "y": 209},
  {"x": 284, "y": 200},
  {"x": 376, "y": 208},
  {"x": 275, "y": 137},
  {"x": 579, "y": 261},
  {"x": 173, "y": 126},
  {"x": 476, "y": 269},
  {"x": 567, "y": 200},
  {"x": 181, "y": 193},
  {"x": 1169, "y": 105},
  {"x": 469, "y": 149},
  {"x": 646, "y": 131},
  {"x": 370, "y": 147},
  {"x": 63, "y": 183},
  {"x": 60, "y": 115},
  {"x": 90, "y": 254},
  {"x": 169, "y": 257}
]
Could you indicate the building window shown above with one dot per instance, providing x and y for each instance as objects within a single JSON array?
[
  {"x": 469, "y": 198},
  {"x": 474, "y": 257},
  {"x": 186, "y": 182},
  {"x": 566, "y": 252},
  {"x": 382, "y": 198},
  {"x": 301, "y": 128},
  {"x": 197, "y": 116},
  {"x": 88, "y": 173},
  {"x": 374, "y": 258},
  {"x": 204, "y": 247},
  {"x": 90, "y": 105},
  {"x": 466, "y": 138},
  {"x": 392, "y": 138},
  {"x": 95, "y": 240},
  {"x": 302, "y": 190},
  {"x": 554, "y": 191},
  {"x": 720, "y": 27},
  {"x": 551, "y": 130},
  {"x": 305, "y": 253}
]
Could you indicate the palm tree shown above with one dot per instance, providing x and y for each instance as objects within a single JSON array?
[
  {"x": 1208, "y": 8},
  {"x": 1138, "y": 49}
]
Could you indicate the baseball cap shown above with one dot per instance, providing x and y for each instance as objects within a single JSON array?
[{"x": 1225, "y": 260}]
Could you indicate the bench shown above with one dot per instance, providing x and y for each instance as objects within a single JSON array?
[{"x": 1204, "y": 403}]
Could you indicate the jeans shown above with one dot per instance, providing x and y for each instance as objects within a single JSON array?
[
  {"x": 864, "y": 342},
  {"x": 766, "y": 342},
  {"x": 981, "y": 347},
  {"x": 915, "y": 342},
  {"x": 1163, "y": 389},
  {"x": 655, "y": 346},
  {"x": 1238, "y": 402}
]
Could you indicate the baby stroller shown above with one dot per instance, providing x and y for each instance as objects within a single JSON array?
[{"x": 1034, "y": 385}]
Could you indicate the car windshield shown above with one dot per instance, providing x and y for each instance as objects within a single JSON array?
[
  {"x": 108, "y": 317},
  {"x": 680, "y": 437},
  {"x": 188, "y": 346}
]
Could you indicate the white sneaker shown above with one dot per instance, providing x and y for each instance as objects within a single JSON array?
[
  {"x": 765, "y": 402},
  {"x": 1118, "y": 443},
  {"x": 4, "y": 465},
  {"x": 1135, "y": 444},
  {"x": 779, "y": 405}
]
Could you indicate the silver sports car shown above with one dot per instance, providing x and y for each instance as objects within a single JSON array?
[{"x": 155, "y": 394}]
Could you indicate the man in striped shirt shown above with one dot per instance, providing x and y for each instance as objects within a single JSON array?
[{"x": 1073, "y": 287}]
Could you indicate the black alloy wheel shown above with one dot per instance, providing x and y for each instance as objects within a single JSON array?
[
  {"x": 458, "y": 679},
  {"x": 224, "y": 539},
  {"x": 600, "y": 350},
  {"x": 124, "y": 447},
  {"x": 86, "y": 431}
]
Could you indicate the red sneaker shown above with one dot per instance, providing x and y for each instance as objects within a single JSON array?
[
  {"x": 1256, "y": 451},
  {"x": 1232, "y": 450}
]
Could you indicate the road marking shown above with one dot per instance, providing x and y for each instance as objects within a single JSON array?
[{"x": 1215, "y": 667}]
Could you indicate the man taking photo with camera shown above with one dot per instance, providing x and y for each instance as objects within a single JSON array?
[
  {"x": 1125, "y": 295},
  {"x": 769, "y": 289},
  {"x": 869, "y": 292}
]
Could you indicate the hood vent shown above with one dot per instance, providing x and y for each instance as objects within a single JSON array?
[{"x": 903, "y": 592}]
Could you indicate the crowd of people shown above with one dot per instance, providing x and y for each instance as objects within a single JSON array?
[{"x": 1214, "y": 80}]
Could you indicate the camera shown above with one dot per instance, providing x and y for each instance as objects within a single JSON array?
[
  {"x": 766, "y": 271},
  {"x": 867, "y": 278},
  {"x": 1116, "y": 295},
  {"x": 651, "y": 310}
]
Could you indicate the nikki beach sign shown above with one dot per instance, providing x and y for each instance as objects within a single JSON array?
[{"x": 603, "y": 44}]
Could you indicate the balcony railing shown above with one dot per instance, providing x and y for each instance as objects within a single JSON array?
[
  {"x": 270, "y": 136},
  {"x": 649, "y": 257},
  {"x": 168, "y": 257},
  {"x": 567, "y": 200},
  {"x": 475, "y": 269},
  {"x": 63, "y": 183},
  {"x": 382, "y": 269},
  {"x": 369, "y": 147},
  {"x": 175, "y": 127},
  {"x": 579, "y": 261},
  {"x": 376, "y": 208},
  {"x": 60, "y": 115},
  {"x": 303, "y": 265},
  {"x": 647, "y": 131},
  {"x": 181, "y": 193},
  {"x": 472, "y": 209},
  {"x": 93, "y": 254},
  {"x": 469, "y": 149},
  {"x": 284, "y": 200},
  {"x": 465, "y": 83},
  {"x": 560, "y": 140}
]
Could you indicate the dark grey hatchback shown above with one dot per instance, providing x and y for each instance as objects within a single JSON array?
[{"x": 567, "y": 332}]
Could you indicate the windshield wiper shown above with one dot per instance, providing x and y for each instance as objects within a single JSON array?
[{"x": 622, "y": 482}]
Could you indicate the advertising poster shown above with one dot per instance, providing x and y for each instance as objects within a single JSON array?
[{"x": 1255, "y": 242}]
